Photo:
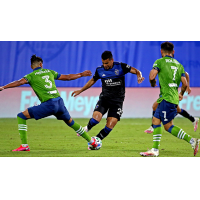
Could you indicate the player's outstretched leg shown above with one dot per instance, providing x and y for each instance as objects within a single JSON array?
[
  {"x": 104, "y": 132},
  {"x": 154, "y": 152},
  {"x": 79, "y": 130},
  {"x": 185, "y": 114},
  {"x": 92, "y": 122},
  {"x": 22, "y": 127},
  {"x": 179, "y": 133}
]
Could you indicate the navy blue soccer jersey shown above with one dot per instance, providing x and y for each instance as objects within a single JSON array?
[{"x": 113, "y": 81}]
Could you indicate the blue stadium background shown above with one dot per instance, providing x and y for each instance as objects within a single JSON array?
[{"x": 68, "y": 57}]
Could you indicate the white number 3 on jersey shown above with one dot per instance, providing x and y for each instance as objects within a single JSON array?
[{"x": 47, "y": 81}]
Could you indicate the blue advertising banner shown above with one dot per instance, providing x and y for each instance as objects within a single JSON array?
[{"x": 70, "y": 57}]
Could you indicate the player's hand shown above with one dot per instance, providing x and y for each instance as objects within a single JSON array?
[
  {"x": 153, "y": 83},
  {"x": 140, "y": 79},
  {"x": 180, "y": 96},
  {"x": 86, "y": 73},
  {"x": 1, "y": 88},
  {"x": 75, "y": 93},
  {"x": 188, "y": 90}
]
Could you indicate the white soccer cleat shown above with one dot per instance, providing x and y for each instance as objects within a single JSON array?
[
  {"x": 195, "y": 123},
  {"x": 85, "y": 128},
  {"x": 195, "y": 146},
  {"x": 150, "y": 153},
  {"x": 149, "y": 130}
]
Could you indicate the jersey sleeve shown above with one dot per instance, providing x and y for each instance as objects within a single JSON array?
[
  {"x": 157, "y": 66},
  {"x": 28, "y": 78},
  {"x": 183, "y": 71},
  {"x": 96, "y": 75},
  {"x": 126, "y": 68},
  {"x": 55, "y": 74}
]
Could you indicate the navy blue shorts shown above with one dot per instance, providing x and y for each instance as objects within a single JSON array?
[
  {"x": 166, "y": 112},
  {"x": 54, "y": 107},
  {"x": 114, "y": 109}
]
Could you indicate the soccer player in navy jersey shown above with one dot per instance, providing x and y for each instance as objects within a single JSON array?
[{"x": 112, "y": 75}]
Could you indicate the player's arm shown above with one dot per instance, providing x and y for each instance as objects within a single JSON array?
[
  {"x": 14, "y": 84},
  {"x": 89, "y": 84},
  {"x": 188, "y": 90},
  {"x": 152, "y": 76},
  {"x": 183, "y": 88},
  {"x": 138, "y": 73},
  {"x": 70, "y": 77}
]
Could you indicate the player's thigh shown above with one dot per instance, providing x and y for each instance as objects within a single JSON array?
[
  {"x": 62, "y": 112},
  {"x": 111, "y": 122},
  {"x": 156, "y": 121},
  {"x": 100, "y": 109},
  {"x": 41, "y": 111},
  {"x": 168, "y": 112},
  {"x": 155, "y": 105},
  {"x": 115, "y": 110}
]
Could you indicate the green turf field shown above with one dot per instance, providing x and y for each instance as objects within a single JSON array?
[{"x": 52, "y": 138}]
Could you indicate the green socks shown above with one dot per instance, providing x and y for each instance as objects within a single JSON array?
[
  {"x": 22, "y": 127},
  {"x": 79, "y": 129},
  {"x": 179, "y": 133},
  {"x": 157, "y": 133}
]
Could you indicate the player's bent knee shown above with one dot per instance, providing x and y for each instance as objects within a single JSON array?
[
  {"x": 21, "y": 115},
  {"x": 178, "y": 109},
  {"x": 97, "y": 116},
  {"x": 70, "y": 122}
]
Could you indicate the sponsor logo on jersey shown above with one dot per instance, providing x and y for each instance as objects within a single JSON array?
[
  {"x": 116, "y": 71},
  {"x": 103, "y": 75},
  {"x": 52, "y": 92},
  {"x": 108, "y": 81},
  {"x": 128, "y": 66},
  {"x": 173, "y": 85}
]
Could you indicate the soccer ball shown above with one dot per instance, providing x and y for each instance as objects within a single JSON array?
[{"x": 99, "y": 144}]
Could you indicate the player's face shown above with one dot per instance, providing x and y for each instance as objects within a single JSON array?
[{"x": 108, "y": 63}]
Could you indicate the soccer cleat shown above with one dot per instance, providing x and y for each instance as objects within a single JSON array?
[
  {"x": 195, "y": 146},
  {"x": 150, "y": 153},
  {"x": 94, "y": 144},
  {"x": 195, "y": 123},
  {"x": 21, "y": 148},
  {"x": 85, "y": 128},
  {"x": 149, "y": 130}
]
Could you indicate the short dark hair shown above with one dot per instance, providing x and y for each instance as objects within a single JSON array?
[
  {"x": 35, "y": 58},
  {"x": 167, "y": 46},
  {"x": 106, "y": 54}
]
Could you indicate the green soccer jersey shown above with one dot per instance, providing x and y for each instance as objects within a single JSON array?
[
  {"x": 169, "y": 74},
  {"x": 42, "y": 82}
]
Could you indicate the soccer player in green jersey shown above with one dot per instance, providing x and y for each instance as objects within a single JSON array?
[
  {"x": 184, "y": 113},
  {"x": 42, "y": 82},
  {"x": 170, "y": 73}
]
